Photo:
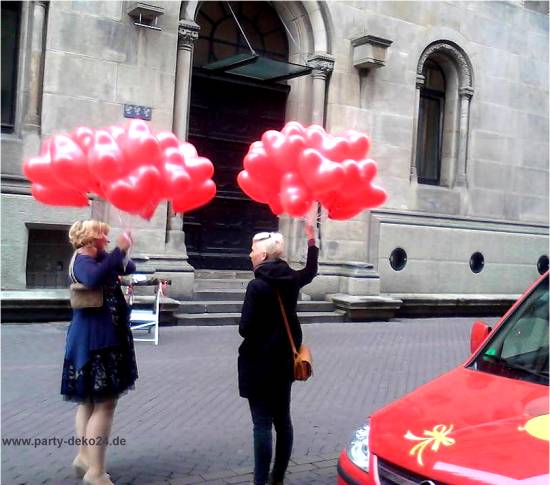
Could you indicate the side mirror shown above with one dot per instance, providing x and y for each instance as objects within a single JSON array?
[{"x": 480, "y": 331}]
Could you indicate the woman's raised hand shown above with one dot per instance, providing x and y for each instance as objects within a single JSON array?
[
  {"x": 124, "y": 241},
  {"x": 310, "y": 234}
]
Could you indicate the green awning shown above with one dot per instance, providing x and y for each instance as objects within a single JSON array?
[{"x": 258, "y": 67}]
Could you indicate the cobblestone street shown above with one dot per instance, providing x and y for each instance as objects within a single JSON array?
[{"x": 185, "y": 422}]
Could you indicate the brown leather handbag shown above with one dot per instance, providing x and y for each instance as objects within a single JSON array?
[
  {"x": 303, "y": 360},
  {"x": 82, "y": 296}
]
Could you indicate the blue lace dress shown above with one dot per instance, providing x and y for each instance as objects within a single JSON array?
[{"x": 100, "y": 362}]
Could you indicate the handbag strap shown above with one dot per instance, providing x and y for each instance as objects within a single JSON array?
[
  {"x": 71, "y": 269},
  {"x": 286, "y": 323}
]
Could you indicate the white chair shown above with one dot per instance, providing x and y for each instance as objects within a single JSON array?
[{"x": 146, "y": 319}]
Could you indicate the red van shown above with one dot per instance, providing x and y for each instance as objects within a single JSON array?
[{"x": 484, "y": 422}]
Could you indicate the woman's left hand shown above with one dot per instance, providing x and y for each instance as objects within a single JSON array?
[
  {"x": 310, "y": 233},
  {"x": 124, "y": 241}
]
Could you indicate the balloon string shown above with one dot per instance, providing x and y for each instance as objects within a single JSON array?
[{"x": 125, "y": 221}]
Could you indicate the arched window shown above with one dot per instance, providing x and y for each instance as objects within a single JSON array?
[
  {"x": 220, "y": 36},
  {"x": 430, "y": 124},
  {"x": 444, "y": 90}
]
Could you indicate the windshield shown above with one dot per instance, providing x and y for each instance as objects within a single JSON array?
[{"x": 519, "y": 348}]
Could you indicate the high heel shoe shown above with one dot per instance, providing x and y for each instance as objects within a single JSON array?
[
  {"x": 103, "y": 479},
  {"x": 80, "y": 467}
]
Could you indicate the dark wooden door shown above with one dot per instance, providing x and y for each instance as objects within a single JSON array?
[{"x": 226, "y": 117}]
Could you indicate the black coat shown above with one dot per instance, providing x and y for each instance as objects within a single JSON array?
[{"x": 265, "y": 356}]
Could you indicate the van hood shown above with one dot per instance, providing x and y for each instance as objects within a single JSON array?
[{"x": 467, "y": 427}]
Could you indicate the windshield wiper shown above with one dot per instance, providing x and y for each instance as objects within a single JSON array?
[
  {"x": 518, "y": 367},
  {"x": 521, "y": 368}
]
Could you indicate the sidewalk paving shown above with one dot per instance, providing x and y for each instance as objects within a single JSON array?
[{"x": 185, "y": 423}]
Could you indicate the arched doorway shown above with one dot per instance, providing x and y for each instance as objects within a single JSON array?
[{"x": 227, "y": 113}]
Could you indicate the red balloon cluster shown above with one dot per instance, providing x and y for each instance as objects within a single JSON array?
[
  {"x": 131, "y": 168},
  {"x": 290, "y": 169}
]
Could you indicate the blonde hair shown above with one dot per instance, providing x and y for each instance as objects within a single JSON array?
[
  {"x": 270, "y": 242},
  {"x": 83, "y": 233}
]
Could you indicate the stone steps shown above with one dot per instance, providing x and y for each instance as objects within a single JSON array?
[
  {"x": 228, "y": 294},
  {"x": 196, "y": 307},
  {"x": 200, "y": 319},
  {"x": 220, "y": 284},
  {"x": 206, "y": 274}
]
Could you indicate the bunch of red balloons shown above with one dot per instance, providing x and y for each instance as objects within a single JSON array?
[
  {"x": 131, "y": 168},
  {"x": 290, "y": 169}
]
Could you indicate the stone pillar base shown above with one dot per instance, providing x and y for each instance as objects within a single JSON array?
[{"x": 347, "y": 277}]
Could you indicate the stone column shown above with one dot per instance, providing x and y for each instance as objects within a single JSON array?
[
  {"x": 173, "y": 263},
  {"x": 188, "y": 33},
  {"x": 31, "y": 121},
  {"x": 420, "y": 80},
  {"x": 465, "y": 94},
  {"x": 322, "y": 65}
]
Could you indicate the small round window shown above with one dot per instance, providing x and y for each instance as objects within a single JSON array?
[
  {"x": 398, "y": 259},
  {"x": 542, "y": 264},
  {"x": 477, "y": 261}
]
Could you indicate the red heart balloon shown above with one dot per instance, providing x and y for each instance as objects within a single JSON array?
[
  {"x": 374, "y": 197},
  {"x": 335, "y": 148},
  {"x": 188, "y": 150},
  {"x": 199, "y": 168},
  {"x": 252, "y": 188},
  {"x": 196, "y": 197},
  {"x": 167, "y": 139},
  {"x": 293, "y": 128},
  {"x": 39, "y": 170},
  {"x": 295, "y": 198},
  {"x": 256, "y": 147},
  {"x": 359, "y": 144},
  {"x": 83, "y": 137},
  {"x": 69, "y": 164},
  {"x": 315, "y": 134},
  {"x": 140, "y": 147},
  {"x": 344, "y": 211},
  {"x": 283, "y": 150},
  {"x": 117, "y": 132},
  {"x": 261, "y": 169},
  {"x": 320, "y": 174},
  {"x": 275, "y": 205},
  {"x": 352, "y": 177},
  {"x": 59, "y": 196},
  {"x": 134, "y": 193},
  {"x": 105, "y": 158},
  {"x": 176, "y": 178}
]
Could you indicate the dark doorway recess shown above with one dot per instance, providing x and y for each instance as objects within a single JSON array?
[
  {"x": 48, "y": 257},
  {"x": 226, "y": 116}
]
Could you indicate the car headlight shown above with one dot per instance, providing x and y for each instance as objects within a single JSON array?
[{"x": 358, "y": 449}]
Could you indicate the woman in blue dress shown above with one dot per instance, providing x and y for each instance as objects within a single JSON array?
[{"x": 100, "y": 363}]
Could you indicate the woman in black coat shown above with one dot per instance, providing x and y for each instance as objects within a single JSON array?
[{"x": 266, "y": 363}]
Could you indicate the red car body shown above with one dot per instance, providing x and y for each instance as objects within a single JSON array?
[{"x": 469, "y": 426}]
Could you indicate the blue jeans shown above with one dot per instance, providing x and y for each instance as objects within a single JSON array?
[{"x": 269, "y": 411}]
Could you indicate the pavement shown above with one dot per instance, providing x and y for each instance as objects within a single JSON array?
[{"x": 185, "y": 422}]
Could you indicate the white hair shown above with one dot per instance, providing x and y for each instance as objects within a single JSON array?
[{"x": 270, "y": 242}]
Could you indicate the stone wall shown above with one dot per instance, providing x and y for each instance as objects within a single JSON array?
[
  {"x": 96, "y": 60},
  {"x": 507, "y": 150}
]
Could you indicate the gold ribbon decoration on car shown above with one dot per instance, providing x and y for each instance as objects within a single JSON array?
[{"x": 436, "y": 437}]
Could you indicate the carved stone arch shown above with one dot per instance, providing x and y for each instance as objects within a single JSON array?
[
  {"x": 309, "y": 32},
  {"x": 308, "y": 22},
  {"x": 455, "y": 53}
]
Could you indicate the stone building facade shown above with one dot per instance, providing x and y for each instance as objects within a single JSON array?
[{"x": 454, "y": 96}]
